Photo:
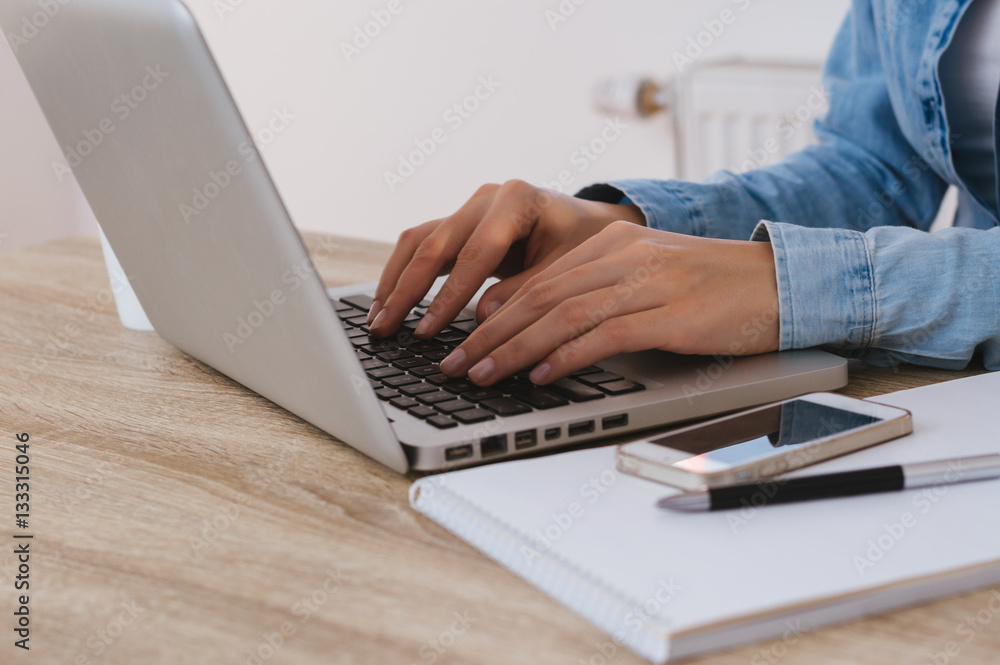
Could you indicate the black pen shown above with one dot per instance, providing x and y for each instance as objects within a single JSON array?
[{"x": 847, "y": 483}]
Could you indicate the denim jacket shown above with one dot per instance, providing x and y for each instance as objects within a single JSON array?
[{"x": 848, "y": 218}]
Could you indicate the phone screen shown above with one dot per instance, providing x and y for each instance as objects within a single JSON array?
[{"x": 760, "y": 434}]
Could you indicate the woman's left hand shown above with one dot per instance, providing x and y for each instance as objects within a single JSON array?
[{"x": 629, "y": 288}]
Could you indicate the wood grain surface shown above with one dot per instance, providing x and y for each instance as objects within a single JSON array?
[{"x": 180, "y": 518}]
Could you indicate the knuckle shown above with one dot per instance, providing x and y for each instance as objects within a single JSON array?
[
  {"x": 516, "y": 186},
  {"x": 471, "y": 255},
  {"x": 573, "y": 312},
  {"x": 616, "y": 334},
  {"x": 538, "y": 297},
  {"x": 489, "y": 189}
]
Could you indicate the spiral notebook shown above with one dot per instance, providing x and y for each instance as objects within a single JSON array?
[{"x": 672, "y": 585}]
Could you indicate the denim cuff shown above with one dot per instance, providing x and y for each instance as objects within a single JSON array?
[
  {"x": 826, "y": 288},
  {"x": 665, "y": 204}
]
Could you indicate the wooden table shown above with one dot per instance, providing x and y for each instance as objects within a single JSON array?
[{"x": 180, "y": 518}]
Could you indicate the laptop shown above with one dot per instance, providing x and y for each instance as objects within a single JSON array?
[{"x": 146, "y": 121}]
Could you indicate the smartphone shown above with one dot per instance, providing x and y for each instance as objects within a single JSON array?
[{"x": 763, "y": 442}]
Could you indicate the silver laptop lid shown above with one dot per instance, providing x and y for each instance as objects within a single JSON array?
[{"x": 168, "y": 166}]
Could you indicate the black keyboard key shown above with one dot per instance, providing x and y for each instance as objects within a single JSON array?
[
  {"x": 535, "y": 396},
  {"x": 622, "y": 387},
  {"x": 423, "y": 304},
  {"x": 385, "y": 394},
  {"x": 404, "y": 402},
  {"x": 361, "y": 341},
  {"x": 343, "y": 307},
  {"x": 593, "y": 369},
  {"x": 384, "y": 372},
  {"x": 472, "y": 416},
  {"x": 451, "y": 337},
  {"x": 409, "y": 363},
  {"x": 438, "y": 378},
  {"x": 465, "y": 326},
  {"x": 424, "y": 345},
  {"x": 442, "y": 422},
  {"x": 360, "y": 301},
  {"x": 394, "y": 354},
  {"x": 380, "y": 346},
  {"x": 422, "y": 411},
  {"x": 505, "y": 406},
  {"x": 438, "y": 355},
  {"x": 477, "y": 394},
  {"x": 356, "y": 332},
  {"x": 372, "y": 363},
  {"x": 575, "y": 391},
  {"x": 435, "y": 397},
  {"x": 453, "y": 406},
  {"x": 358, "y": 320},
  {"x": 464, "y": 315},
  {"x": 458, "y": 386},
  {"x": 426, "y": 370},
  {"x": 600, "y": 377},
  {"x": 402, "y": 380},
  {"x": 418, "y": 388},
  {"x": 362, "y": 355}
]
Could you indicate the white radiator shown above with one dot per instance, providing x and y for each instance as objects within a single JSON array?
[{"x": 733, "y": 115}]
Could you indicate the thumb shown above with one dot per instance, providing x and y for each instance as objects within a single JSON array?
[{"x": 501, "y": 292}]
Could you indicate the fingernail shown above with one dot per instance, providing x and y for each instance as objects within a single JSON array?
[
  {"x": 425, "y": 324},
  {"x": 374, "y": 311},
  {"x": 540, "y": 373},
  {"x": 492, "y": 308},
  {"x": 454, "y": 363},
  {"x": 483, "y": 371},
  {"x": 379, "y": 320}
]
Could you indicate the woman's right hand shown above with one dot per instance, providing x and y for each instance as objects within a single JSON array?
[{"x": 510, "y": 231}]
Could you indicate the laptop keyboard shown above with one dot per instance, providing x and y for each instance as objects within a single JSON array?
[{"x": 404, "y": 372}]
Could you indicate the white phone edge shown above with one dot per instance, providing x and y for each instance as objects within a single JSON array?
[{"x": 634, "y": 457}]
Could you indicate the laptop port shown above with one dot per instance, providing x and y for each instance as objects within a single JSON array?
[
  {"x": 576, "y": 429},
  {"x": 525, "y": 439},
  {"x": 552, "y": 433},
  {"x": 457, "y": 453},
  {"x": 493, "y": 445},
  {"x": 614, "y": 421}
]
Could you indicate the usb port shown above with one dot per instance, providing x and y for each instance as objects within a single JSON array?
[
  {"x": 457, "y": 453},
  {"x": 576, "y": 429},
  {"x": 493, "y": 445},
  {"x": 552, "y": 433},
  {"x": 614, "y": 421},
  {"x": 525, "y": 439}
]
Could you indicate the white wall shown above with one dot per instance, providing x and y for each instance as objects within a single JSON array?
[{"x": 352, "y": 120}]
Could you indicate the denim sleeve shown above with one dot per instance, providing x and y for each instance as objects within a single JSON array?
[
  {"x": 863, "y": 173},
  {"x": 891, "y": 294}
]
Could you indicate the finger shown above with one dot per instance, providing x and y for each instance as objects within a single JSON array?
[
  {"x": 570, "y": 319},
  {"x": 402, "y": 254},
  {"x": 637, "y": 331},
  {"x": 425, "y": 263},
  {"x": 608, "y": 241},
  {"x": 503, "y": 326},
  {"x": 499, "y": 293},
  {"x": 512, "y": 216}
]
